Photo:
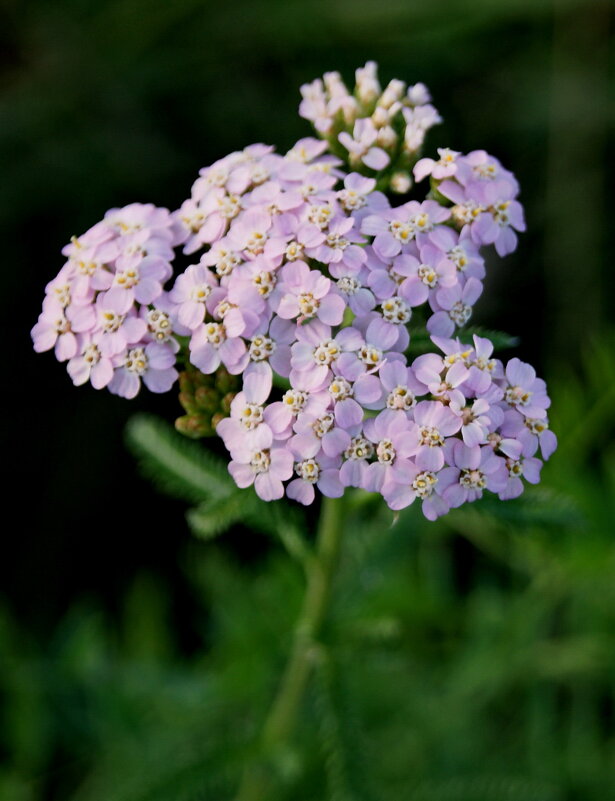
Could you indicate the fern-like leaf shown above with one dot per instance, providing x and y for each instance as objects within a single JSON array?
[{"x": 178, "y": 466}]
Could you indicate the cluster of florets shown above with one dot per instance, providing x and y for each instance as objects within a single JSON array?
[
  {"x": 105, "y": 312},
  {"x": 373, "y": 129},
  {"x": 304, "y": 286}
]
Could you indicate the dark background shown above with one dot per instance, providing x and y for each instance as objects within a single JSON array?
[{"x": 106, "y": 103}]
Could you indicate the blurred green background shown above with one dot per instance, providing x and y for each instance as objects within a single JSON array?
[{"x": 471, "y": 660}]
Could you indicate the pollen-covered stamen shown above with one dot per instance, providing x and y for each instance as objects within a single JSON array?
[
  {"x": 306, "y": 189},
  {"x": 400, "y": 398},
  {"x": 308, "y": 470},
  {"x": 472, "y": 479},
  {"x": 385, "y": 451},
  {"x": 136, "y": 361},
  {"x": 430, "y": 436},
  {"x": 295, "y": 399},
  {"x": 259, "y": 174},
  {"x": 517, "y": 396},
  {"x": 326, "y": 352},
  {"x": 487, "y": 171},
  {"x": 227, "y": 262},
  {"x": 320, "y": 215},
  {"x": 294, "y": 251},
  {"x": 217, "y": 176},
  {"x": 324, "y": 424},
  {"x": 62, "y": 294},
  {"x": 308, "y": 304},
  {"x": 194, "y": 221},
  {"x": 112, "y": 321},
  {"x": 459, "y": 257},
  {"x": 348, "y": 285},
  {"x": 359, "y": 448},
  {"x": 466, "y": 213},
  {"x": 424, "y": 484},
  {"x": 351, "y": 200},
  {"x": 251, "y": 416},
  {"x": 403, "y": 232},
  {"x": 91, "y": 354},
  {"x": 229, "y": 206},
  {"x": 337, "y": 241},
  {"x": 397, "y": 277},
  {"x": 223, "y": 308},
  {"x": 421, "y": 223},
  {"x": 215, "y": 333},
  {"x": 396, "y": 311},
  {"x": 460, "y": 313},
  {"x": 494, "y": 440},
  {"x": 159, "y": 325},
  {"x": 484, "y": 364},
  {"x": 261, "y": 348},
  {"x": 200, "y": 292},
  {"x": 265, "y": 282},
  {"x": 256, "y": 242},
  {"x": 428, "y": 275},
  {"x": 370, "y": 355},
  {"x": 536, "y": 426},
  {"x": 467, "y": 416},
  {"x": 260, "y": 461},
  {"x": 127, "y": 279},
  {"x": 340, "y": 389},
  {"x": 515, "y": 468},
  {"x": 500, "y": 213}
]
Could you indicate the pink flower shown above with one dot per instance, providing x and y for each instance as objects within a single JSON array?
[{"x": 261, "y": 463}]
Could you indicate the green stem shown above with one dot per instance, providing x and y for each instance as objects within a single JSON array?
[{"x": 282, "y": 716}]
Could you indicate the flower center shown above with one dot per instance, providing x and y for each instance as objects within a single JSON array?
[
  {"x": 295, "y": 399},
  {"x": 400, "y": 398},
  {"x": 294, "y": 251},
  {"x": 112, "y": 321},
  {"x": 159, "y": 325},
  {"x": 396, "y": 310},
  {"x": 320, "y": 215},
  {"x": 91, "y": 354},
  {"x": 308, "y": 470},
  {"x": 308, "y": 305},
  {"x": 536, "y": 426},
  {"x": 428, "y": 275},
  {"x": 460, "y": 313},
  {"x": 260, "y": 461},
  {"x": 385, "y": 451},
  {"x": 370, "y": 355},
  {"x": 424, "y": 484},
  {"x": 326, "y": 352},
  {"x": 229, "y": 206},
  {"x": 324, "y": 424},
  {"x": 215, "y": 333},
  {"x": 359, "y": 448},
  {"x": 517, "y": 396},
  {"x": 472, "y": 479},
  {"x": 251, "y": 415},
  {"x": 261, "y": 348},
  {"x": 200, "y": 292},
  {"x": 264, "y": 283},
  {"x": 340, "y": 389},
  {"x": 348, "y": 285},
  {"x": 136, "y": 361},
  {"x": 430, "y": 436}
]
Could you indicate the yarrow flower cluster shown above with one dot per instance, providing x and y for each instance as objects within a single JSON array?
[{"x": 307, "y": 285}]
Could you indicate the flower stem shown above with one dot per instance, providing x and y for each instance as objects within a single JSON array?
[{"x": 281, "y": 719}]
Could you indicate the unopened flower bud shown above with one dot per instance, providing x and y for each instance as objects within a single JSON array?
[
  {"x": 401, "y": 182},
  {"x": 387, "y": 138}
]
